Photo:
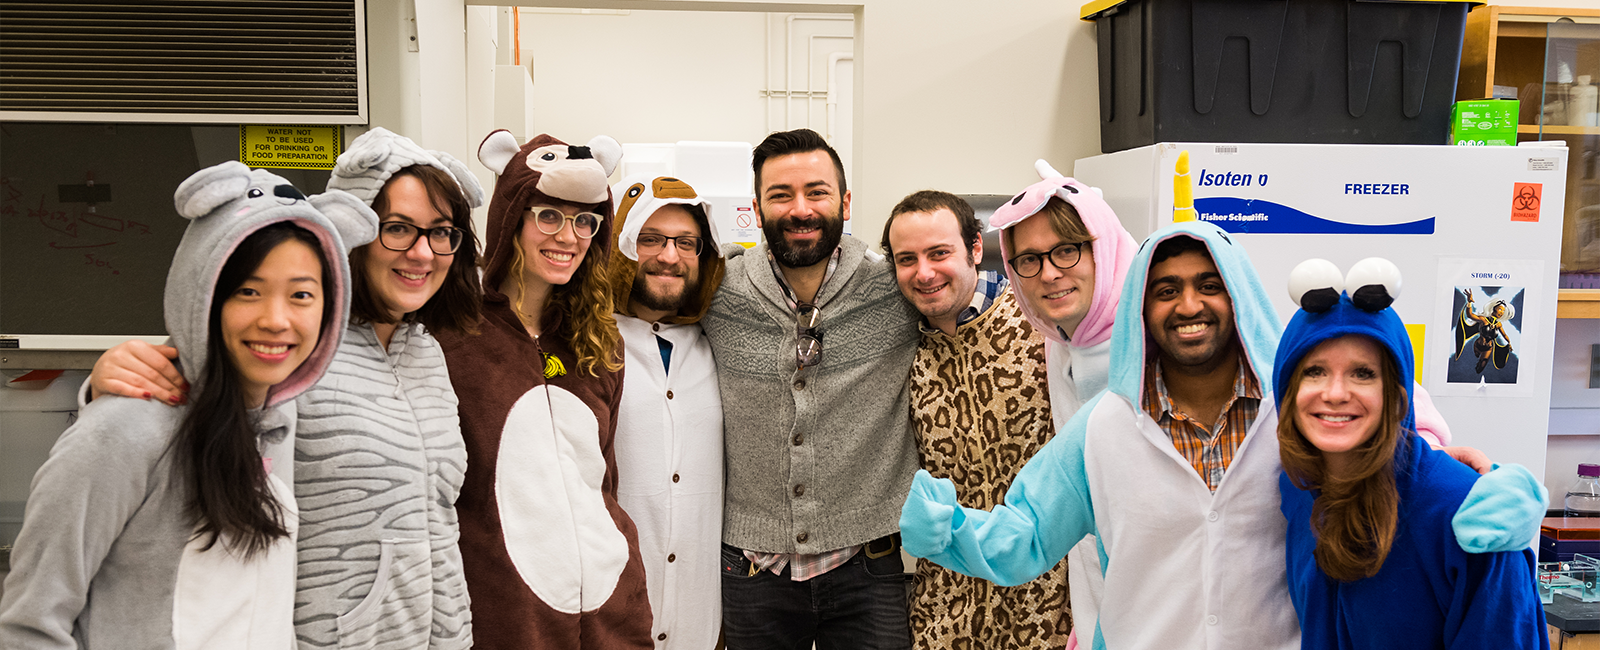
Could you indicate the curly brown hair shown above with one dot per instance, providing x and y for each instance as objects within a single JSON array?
[
  {"x": 584, "y": 307},
  {"x": 1355, "y": 516}
]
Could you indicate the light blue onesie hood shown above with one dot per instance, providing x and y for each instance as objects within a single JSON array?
[{"x": 1255, "y": 322}]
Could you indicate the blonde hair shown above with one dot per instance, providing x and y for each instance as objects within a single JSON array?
[
  {"x": 585, "y": 306},
  {"x": 1064, "y": 220}
]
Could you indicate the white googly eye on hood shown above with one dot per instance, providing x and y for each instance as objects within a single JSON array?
[
  {"x": 1315, "y": 285},
  {"x": 1373, "y": 283}
]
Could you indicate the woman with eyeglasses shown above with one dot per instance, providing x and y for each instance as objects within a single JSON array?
[
  {"x": 379, "y": 456},
  {"x": 552, "y": 560}
]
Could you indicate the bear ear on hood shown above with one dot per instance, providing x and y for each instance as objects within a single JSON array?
[
  {"x": 356, "y": 222},
  {"x": 497, "y": 150},
  {"x": 211, "y": 188},
  {"x": 607, "y": 152},
  {"x": 464, "y": 177}
]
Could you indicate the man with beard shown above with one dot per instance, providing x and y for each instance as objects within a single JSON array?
[
  {"x": 669, "y": 424},
  {"x": 814, "y": 345}
]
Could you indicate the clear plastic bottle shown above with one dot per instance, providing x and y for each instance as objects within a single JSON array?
[{"x": 1583, "y": 500}]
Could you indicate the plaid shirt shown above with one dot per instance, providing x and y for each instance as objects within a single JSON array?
[
  {"x": 1208, "y": 451},
  {"x": 801, "y": 567},
  {"x": 990, "y": 285}
]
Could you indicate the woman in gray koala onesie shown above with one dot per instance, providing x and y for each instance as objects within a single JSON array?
[
  {"x": 158, "y": 527},
  {"x": 379, "y": 458}
]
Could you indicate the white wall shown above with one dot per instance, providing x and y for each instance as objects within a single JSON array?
[
  {"x": 951, "y": 95},
  {"x": 646, "y": 76}
]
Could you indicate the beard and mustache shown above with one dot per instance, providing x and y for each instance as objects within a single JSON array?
[
  {"x": 644, "y": 296},
  {"x": 794, "y": 255}
]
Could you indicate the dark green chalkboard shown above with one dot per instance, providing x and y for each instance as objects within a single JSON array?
[{"x": 68, "y": 270}]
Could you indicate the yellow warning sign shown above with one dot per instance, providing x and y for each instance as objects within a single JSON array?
[{"x": 288, "y": 146}]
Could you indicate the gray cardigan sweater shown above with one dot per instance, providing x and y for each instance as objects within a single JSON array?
[
  {"x": 378, "y": 463},
  {"x": 817, "y": 459}
]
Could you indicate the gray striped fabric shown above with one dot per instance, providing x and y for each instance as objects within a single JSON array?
[{"x": 378, "y": 464}]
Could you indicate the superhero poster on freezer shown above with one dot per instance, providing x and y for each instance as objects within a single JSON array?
[
  {"x": 1485, "y": 310},
  {"x": 1486, "y": 333}
]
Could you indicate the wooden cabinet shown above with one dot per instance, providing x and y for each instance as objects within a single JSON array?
[{"x": 1541, "y": 56}]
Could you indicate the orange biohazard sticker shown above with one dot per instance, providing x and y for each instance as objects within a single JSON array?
[{"x": 1525, "y": 199}]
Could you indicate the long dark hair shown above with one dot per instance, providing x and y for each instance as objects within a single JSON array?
[
  {"x": 216, "y": 445},
  {"x": 1355, "y": 518},
  {"x": 457, "y": 305}
]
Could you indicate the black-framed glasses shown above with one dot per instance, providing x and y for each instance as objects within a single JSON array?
[
  {"x": 550, "y": 220},
  {"x": 401, "y": 236},
  {"x": 687, "y": 244},
  {"x": 1062, "y": 257},
  {"x": 807, "y": 336}
]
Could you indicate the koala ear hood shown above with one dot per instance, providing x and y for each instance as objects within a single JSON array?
[
  {"x": 226, "y": 204},
  {"x": 355, "y": 221},
  {"x": 375, "y": 157},
  {"x": 210, "y": 188}
]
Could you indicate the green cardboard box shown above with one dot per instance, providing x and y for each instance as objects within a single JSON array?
[{"x": 1484, "y": 122}]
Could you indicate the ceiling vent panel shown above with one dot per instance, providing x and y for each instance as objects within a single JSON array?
[{"x": 300, "y": 61}]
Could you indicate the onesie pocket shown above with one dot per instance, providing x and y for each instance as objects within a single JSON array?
[{"x": 386, "y": 606}]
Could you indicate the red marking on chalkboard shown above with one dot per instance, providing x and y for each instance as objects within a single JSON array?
[
  {"x": 100, "y": 263},
  {"x": 59, "y": 247},
  {"x": 56, "y": 220},
  {"x": 100, "y": 221}
]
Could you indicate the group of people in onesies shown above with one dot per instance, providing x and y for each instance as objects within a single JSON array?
[{"x": 392, "y": 437}]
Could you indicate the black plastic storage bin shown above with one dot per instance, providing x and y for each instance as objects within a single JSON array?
[{"x": 1318, "y": 71}]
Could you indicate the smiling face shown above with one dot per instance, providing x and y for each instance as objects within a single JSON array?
[
  {"x": 1062, "y": 297},
  {"x": 800, "y": 209},
  {"x": 1188, "y": 312},
  {"x": 1339, "y": 403},
  {"x": 403, "y": 281},
  {"x": 270, "y": 324},
  {"x": 667, "y": 276},
  {"x": 550, "y": 260},
  {"x": 935, "y": 269}
]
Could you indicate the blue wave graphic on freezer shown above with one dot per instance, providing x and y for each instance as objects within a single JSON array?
[{"x": 1257, "y": 216}]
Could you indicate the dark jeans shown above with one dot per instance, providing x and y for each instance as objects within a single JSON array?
[{"x": 860, "y": 605}]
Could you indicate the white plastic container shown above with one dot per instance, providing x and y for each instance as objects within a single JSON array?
[{"x": 1584, "y": 103}]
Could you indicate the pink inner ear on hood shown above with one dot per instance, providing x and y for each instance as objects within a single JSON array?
[
  {"x": 310, "y": 370},
  {"x": 1113, "y": 251}
]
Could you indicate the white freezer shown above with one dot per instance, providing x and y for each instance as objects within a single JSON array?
[{"x": 1451, "y": 218}]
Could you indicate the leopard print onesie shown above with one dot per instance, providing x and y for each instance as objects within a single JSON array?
[{"x": 981, "y": 409}]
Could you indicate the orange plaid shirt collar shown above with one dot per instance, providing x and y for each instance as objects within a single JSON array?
[{"x": 1209, "y": 449}]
